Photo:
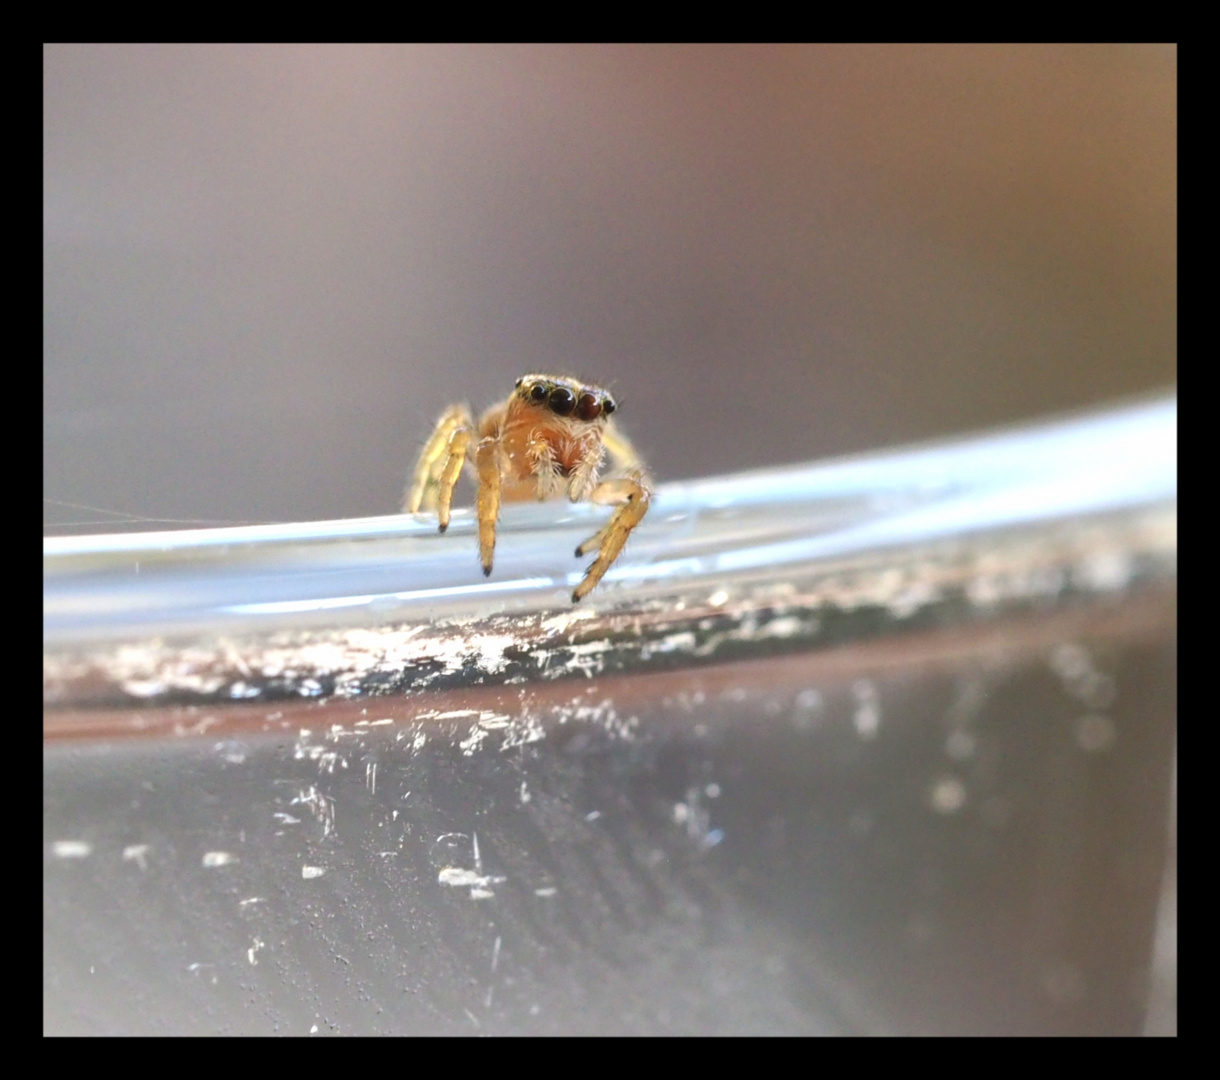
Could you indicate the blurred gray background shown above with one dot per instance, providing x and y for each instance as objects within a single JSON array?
[{"x": 267, "y": 268}]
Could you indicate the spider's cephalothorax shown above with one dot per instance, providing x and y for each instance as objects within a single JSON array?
[{"x": 550, "y": 437}]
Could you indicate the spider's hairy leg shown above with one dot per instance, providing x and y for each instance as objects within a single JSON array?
[
  {"x": 458, "y": 443},
  {"x": 631, "y": 495},
  {"x": 595, "y": 541},
  {"x": 622, "y": 453},
  {"x": 434, "y": 460},
  {"x": 488, "y": 464}
]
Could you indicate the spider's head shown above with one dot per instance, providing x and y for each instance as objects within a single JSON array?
[{"x": 565, "y": 397}]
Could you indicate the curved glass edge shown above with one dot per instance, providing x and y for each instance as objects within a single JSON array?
[{"x": 1035, "y": 517}]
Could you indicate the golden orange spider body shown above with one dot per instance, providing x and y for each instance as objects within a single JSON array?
[{"x": 549, "y": 437}]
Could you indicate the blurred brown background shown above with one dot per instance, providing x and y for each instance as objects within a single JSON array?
[{"x": 267, "y": 268}]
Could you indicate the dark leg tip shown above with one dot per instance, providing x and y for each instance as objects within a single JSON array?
[
  {"x": 487, "y": 571},
  {"x": 441, "y": 528},
  {"x": 580, "y": 550},
  {"x": 575, "y": 598}
]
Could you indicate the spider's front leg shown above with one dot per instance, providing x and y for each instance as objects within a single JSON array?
[
  {"x": 490, "y": 467},
  {"x": 440, "y": 464},
  {"x": 631, "y": 494}
]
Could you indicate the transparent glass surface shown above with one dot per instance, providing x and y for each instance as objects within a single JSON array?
[{"x": 879, "y": 745}]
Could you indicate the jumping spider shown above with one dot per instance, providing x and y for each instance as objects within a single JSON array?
[{"x": 549, "y": 437}]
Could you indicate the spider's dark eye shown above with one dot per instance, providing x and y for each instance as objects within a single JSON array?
[
  {"x": 538, "y": 392},
  {"x": 518, "y": 383},
  {"x": 588, "y": 407},
  {"x": 608, "y": 405},
  {"x": 563, "y": 401}
]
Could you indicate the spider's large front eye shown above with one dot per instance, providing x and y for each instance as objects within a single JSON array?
[
  {"x": 563, "y": 401},
  {"x": 608, "y": 405},
  {"x": 588, "y": 407},
  {"x": 538, "y": 392}
]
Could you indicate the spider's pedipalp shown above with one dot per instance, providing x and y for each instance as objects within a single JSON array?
[
  {"x": 544, "y": 467},
  {"x": 583, "y": 479}
]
